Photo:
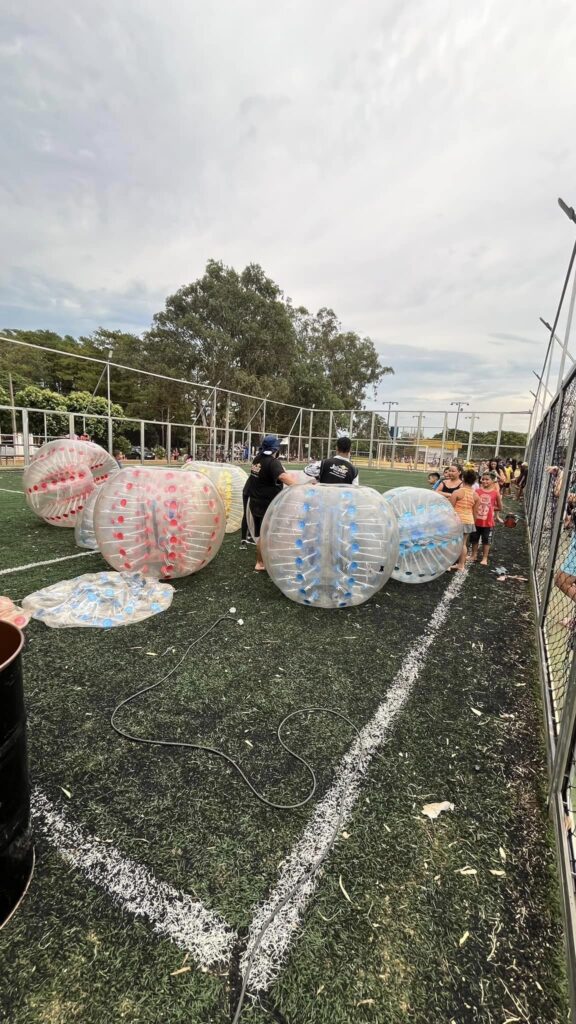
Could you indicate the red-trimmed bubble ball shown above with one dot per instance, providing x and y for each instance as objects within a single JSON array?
[
  {"x": 62, "y": 475},
  {"x": 160, "y": 522}
]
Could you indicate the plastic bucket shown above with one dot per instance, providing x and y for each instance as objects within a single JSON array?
[{"x": 16, "y": 850}]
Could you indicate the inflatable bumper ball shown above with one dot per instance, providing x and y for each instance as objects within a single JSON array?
[
  {"x": 329, "y": 546},
  {"x": 230, "y": 481},
  {"x": 430, "y": 533},
  {"x": 61, "y": 477},
  {"x": 160, "y": 522}
]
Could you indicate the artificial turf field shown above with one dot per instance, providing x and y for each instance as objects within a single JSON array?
[{"x": 395, "y": 931}]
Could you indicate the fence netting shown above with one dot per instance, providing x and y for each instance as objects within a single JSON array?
[{"x": 551, "y": 515}]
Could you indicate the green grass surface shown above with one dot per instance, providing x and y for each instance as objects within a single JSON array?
[{"x": 393, "y": 954}]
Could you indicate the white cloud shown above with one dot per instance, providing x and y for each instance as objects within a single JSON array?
[{"x": 398, "y": 162}]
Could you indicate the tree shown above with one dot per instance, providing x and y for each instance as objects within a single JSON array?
[
  {"x": 85, "y": 403},
  {"x": 33, "y": 397}
]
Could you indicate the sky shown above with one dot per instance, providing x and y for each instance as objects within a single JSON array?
[{"x": 399, "y": 162}]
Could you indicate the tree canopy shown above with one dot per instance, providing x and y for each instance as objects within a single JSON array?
[{"x": 236, "y": 329}]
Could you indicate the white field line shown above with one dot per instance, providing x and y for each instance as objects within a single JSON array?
[
  {"x": 50, "y": 561},
  {"x": 8, "y": 490},
  {"x": 264, "y": 959},
  {"x": 174, "y": 914}
]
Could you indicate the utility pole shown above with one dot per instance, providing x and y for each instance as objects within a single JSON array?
[{"x": 460, "y": 406}]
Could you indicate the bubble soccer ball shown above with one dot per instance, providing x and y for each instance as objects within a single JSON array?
[
  {"x": 62, "y": 475},
  {"x": 230, "y": 481},
  {"x": 160, "y": 522},
  {"x": 84, "y": 534},
  {"x": 329, "y": 546},
  {"x": 430, "y": 533}
]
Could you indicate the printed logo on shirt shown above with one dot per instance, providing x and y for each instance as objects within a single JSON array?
[{"x": 340, "y": 471}]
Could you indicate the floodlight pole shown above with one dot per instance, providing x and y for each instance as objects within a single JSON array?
[{"x": 460, "y": 406}]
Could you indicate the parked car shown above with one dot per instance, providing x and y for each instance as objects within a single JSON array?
[{"x": 134, "y": 453}]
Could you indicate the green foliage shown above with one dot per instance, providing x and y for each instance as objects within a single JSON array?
[
  {"x": 159, "y": 452},
  {"x": 487, "y": 439},
  {"x": 232, "y": 328},
  {"x": 122, "y": 444},
  {"x": 34, "y": 397}
]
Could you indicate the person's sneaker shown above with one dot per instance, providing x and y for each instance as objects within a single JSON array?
[{"x": 243, "y": 545}]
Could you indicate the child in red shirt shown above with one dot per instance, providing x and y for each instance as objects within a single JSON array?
[{"x": 489, "y": 501}]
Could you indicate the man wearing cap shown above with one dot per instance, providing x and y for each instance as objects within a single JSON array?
[
  {"x": 338, "y": 469},
  {"x": 267, "y": 477}
]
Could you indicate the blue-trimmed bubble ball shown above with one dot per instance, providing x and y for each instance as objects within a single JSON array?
[
  {"x": 329, "y": 545},
  {"x": 430, "y": 533}
]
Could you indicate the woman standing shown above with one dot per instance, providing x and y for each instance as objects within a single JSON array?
[{"x": 452, "y": 482}]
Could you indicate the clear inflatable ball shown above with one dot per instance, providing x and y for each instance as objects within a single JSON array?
[
  {"x": 160, "y": 522},
  {"x": 430, "y": 533},
  {"x": 61, "y": 477},
  {"x": 329, "y": 546},
  {"x": 230, "y": 481}
]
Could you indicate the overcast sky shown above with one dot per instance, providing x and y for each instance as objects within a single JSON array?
[{"x": 397, "y": 161}]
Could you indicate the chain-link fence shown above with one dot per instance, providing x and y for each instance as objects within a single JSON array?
[{"x": 551, "y": 515}]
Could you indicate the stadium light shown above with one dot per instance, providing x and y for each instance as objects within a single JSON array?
[
  {"x": 568, "y": 210},
  {"x": 460, "y": 406}
]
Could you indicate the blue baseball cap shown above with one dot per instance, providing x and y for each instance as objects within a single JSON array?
[{"x": 270, "y": 444}]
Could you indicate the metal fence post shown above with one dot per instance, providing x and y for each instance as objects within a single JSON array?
[
  {"x": 213, "y": 424},
  {"x": 330, "y": 425},
  {"x": 499, "y": 434},
  {"x": 25, "y": 438},
  {"x": 394, "y": 439},
  {"x": 142, "y": 441},
  {"x": 71, "y": 429},
  {"x": 227, "y": 425},
  {"x": 370, "y": 452},
  {"x": 169, "y": 442},
  {"x": 557, "y": 524},
  {"x": 310, "y": 434}
]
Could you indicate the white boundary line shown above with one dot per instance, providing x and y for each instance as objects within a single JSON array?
[
  {"x": 172, "y": 913},
  {"x": 50, "y": 561},
  {"x": 8, "y": 490},
  {"x": 334, "y": 808}
]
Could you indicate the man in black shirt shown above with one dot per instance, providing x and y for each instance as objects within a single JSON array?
[
  {"x": 267, "y": 477},
  {"x": 338, "y": 469}
]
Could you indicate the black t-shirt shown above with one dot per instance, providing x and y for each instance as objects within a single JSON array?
[
  {"x": 263, "y": 482},
  {"x": 449, "y": 486},
  {"x": 337, "y": 470}
]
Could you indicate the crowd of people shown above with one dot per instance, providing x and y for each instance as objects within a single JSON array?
[{"x": 475, "y": 492}]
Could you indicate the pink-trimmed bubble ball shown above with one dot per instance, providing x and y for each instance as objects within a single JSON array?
[
  {"x": 160, "y": 522},
  {"x": 62, "y": 475}
]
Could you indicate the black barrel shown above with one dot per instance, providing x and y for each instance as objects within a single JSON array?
[{"x": 16, "y": 852}]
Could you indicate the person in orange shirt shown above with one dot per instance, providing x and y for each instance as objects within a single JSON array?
[{"x": 465, "y": 501}]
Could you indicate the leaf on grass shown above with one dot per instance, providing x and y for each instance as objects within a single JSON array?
[
  {"x": 464, "y": 938},
  {"x": 345, "y": 835},
  {"x": 475, "y": 711},
  {"x": 66, "y": 792},
  {"x": 502, "y": 853},
  {"x": 466, "y": 871},
  {"x": 248, "y": 743},
  {"x": 232, "y": 611},
  {"x": 320, "y": 989},
  {"x": 366, "y": 1002},
  {"x": 341, "y": 884},
  {"x": 433, "y": 810},
  {"x": 151, "y": 654},
  {"x": 181, "y": 970},
  {"x": 497, "y": 871}
]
